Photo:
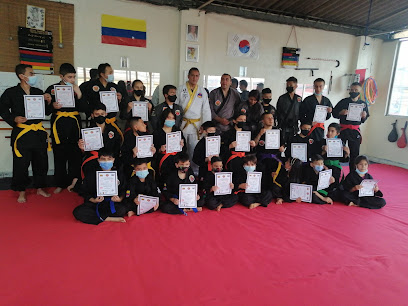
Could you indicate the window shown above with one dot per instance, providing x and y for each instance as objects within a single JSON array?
[
  {"x": 398, "y": 96},
  {"x": 213, "y": 81}
]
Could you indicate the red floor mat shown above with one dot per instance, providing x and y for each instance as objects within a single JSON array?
[{"x": 294, "y": 254}]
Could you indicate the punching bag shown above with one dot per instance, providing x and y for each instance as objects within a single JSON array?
[
  {"x": 393, "y": 136},
  {"x": 402, "y": 141}
]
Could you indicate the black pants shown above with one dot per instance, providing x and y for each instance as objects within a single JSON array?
[
  {"x": 86, "y": 212},
  {"x": 39, "y": 164},
  {"x": 168, "y": 207},
  {"x": 264, "y": 198},
  {"x": 287, "y": 134},
  {"x": 374, "y": 202},
  {"x": 353, "y": 138},
  {"x": 228, "y": 200},
  {"x": 67, "y": 163}
]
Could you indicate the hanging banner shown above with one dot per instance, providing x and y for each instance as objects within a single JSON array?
[
  {"x": 290, "y": 57},
  {"x": 241, "y": 45}
]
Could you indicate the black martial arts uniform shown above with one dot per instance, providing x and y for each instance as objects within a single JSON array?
[
  {"x": 199, "y": 159},
  {"x": 269, "y": 109},
  {"x": 311, "y": 145},
  {"x": 310, "y": 177},
  {"x": 95, "y": 213},
  {"x": 350, "y": 130},
  {"x": 213, "y": 201},
  {"x": 125, "y": 115},
  {"x": 253, "y": 114},
  {"x": 31, "y": 147},
  {"x": 158, "y": 111},
  {"x": 171, "y": 190},
  {"x": 352, "y": 179},
  {"x": 287, "y": 114}
]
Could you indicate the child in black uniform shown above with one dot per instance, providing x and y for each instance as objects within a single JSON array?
[
  {"x": 291, "y": 173},
  {"x": 302, "y": 137},
  {"x": 266, "y": 102}
]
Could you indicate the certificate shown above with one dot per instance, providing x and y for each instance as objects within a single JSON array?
[
  {"x": 141, "y": 110},
  {"x": 34, "y": 107},
  {"x": 301, "y": 191},
  {"x": 243, "y": 138},
  {"x": 324, "y": 179},
  {"x": 334, "y": 147},
  {"x": 299, "y": 150},
  {"x": 223, "y": 181},
  {"x": 144, "y": 146},
  {"x": 146, "y": 203},
  {"x": 173, "y": 141},
  {"x": 92, "y": 138},
  {"x": 272, "y": 139},
  {"x": 254, "y": 182},
  {"x": 110, "y": 99},
  {"x": 320, "y": 114},
  {"x": 188, "y": 196},
  {"x": 106, "y": 183},
  {"x": 354, "y": 112},
  {"x": 368, "y": 188},
  {"x": 212, "y": 146},
  {"x": 64, "y": 95}
]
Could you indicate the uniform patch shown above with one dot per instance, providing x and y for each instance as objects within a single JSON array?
[
  {"x": 200, "y": 95},
  {"x": 299, "y": 99},
  {"x": 311, "y": 141},
  {"x": 111, "y": 134},
  {"x": 127, "y": 193},
  {"x": 95, "y": 88},
  {"x": 191, "y": 178},
  {"x": 261, "y": 143},
  {"x": 218, "y": 103},
  {"x": 53, "y": 92},
  {"x": 177, "y": 112},
  {"x": 243, "y": 110},
  {"x": 113, "y": 89},
  {"x": 164, "y": 107}
]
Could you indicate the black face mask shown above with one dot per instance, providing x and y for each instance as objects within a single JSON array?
[
  {"x": 138, "y": 93},
  {"x": 210, "y": 134},
  {"x": 290, "y": 89},
  {"x": 354, "y": 94},
  {"x": 99, "y": 119},
  {"x": 217, "y": 170},
  {"x": 267, "y": 101},
  {"x": 304, "y": 132},
  {"x": 183, "y": 169},
  {"x": 241, "y": 125},
  {"x": 172, "y": 98}
]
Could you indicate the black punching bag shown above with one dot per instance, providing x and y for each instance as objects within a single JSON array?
[{"x": 393, "y": 136}]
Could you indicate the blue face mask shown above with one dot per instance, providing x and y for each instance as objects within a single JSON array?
[
  {"x": 318, "y": 94},
  {"x": 32, "y": 80},
  {"x": 361, "y": 172},
  {"x": 106, "y": 165},
  {"x": 249, "y": 168},
  {"x": 336, "y": 136},
  {"x": 67, "y": 83},
  {"x": 142, "y": 173},
  {"x": 169, "y": 123},
  {"x": 110, "y": 78},
  {"x": 318, "y": 168}
]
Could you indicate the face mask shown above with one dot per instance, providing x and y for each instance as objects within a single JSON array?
[
  {"x": 210, "y": 134},
  {"x": 106, "y": 165},
  {"x": 138, "y": 92},
  {"x": 361, "y": 172},
  {"x": 142, "y": 174},
  {"x": 169, "y": 123},
  {"x": 67, "y": 83},
  {"x": 290, "y": 89},
  {"x": 183, "y": 169},
  {"x": 240, "y": 125},
  {"x": 318, "y": 168},
  {"x": 99, "y": 119},
  {"x": 217, "y": 170},
  {"x": 110, "y": 78},
  {"x": 318, "y": 94},
  {"x": 336, "y": 136},
  {"x": 354, "y": 94},
  {"x": 304, "y": 132},
  {"x": 249, "y": 168},
  {"x": 172, "y": 98},
  {"x": 32, "y": 80},
  {"x": 267, "y": 101}
]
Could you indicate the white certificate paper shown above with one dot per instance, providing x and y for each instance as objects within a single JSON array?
[
  {"x": 106, "y": 183},
  {"x": 320, "y": 114},
  {"x": 354, "y": 112},
  {"x": 212, "y": 146},
  {"x": 368, "y": 188},
  {"x": 64, "y": 95},
  {"x": 254, "y": 182},
  {"x": 92, "y": 138},
  {"x": 243, "y": 138},
  {"x": 324, "y": 179},
  {"x": 34, "y": 107},
  {"x": 272, "y": 139},
  {"x": 146, "y": 203},
  {"x": 301, "y": 191},
  {"x": 140, "y": 109},
  {"x": 173, "y": 141},
  {"x": 144, "y": 146},
  {"x": 299, "y": 150},
  {"x": 110, "y": 99},
  {"x": 334, "y": 147},
  {"x": 188, "y": 196},
  {"x": 223, "y": 181}
]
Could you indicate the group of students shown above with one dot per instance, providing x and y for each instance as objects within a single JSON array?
[{"x": 161, "y": 175}]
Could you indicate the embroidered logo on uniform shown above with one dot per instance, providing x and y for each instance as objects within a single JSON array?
[
  {"x": 311, "y": 141},
  {"x": 95, "y": 88},
  {"x": 243, "y": 110},
  {"x": 111, "y": 134},
  {"x": 191, "y": 178},
  {"x": 261, "y": 143},
  {"x": 164, "y": 107},
  {"x": 218, "y": 103},
  {"x": 299, "y": 99},
  {"x": 200, "y": 95},
  {"x": 127, "y": 193},
  {"x": 113, "y": 89},
  {"x": 177, "y": 112},
  {"x": 53, "y": 92}
]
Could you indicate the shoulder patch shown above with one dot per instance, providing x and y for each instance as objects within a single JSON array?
[
  {"x": 53, "y": 92},
  {"x": 191, "y": 178},
  {"x": 311, "y": 141},
  {"x": 177, "y": 112},
  {"x": 200, "y": 95},
  {"x": 261, "y": 143},
  {"x": 111, "y": 134},
  {"x": 243, "y": 110},
  {"x": 217, "y": 103},
  {"x": 299, "y": 99},
  {"x": 95, "y": 88}
]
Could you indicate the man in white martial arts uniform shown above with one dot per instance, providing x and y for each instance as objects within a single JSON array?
[{"x": 194, "y": 101}]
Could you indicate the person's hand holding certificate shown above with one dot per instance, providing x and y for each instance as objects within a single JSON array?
[
  {"x": 64, "y": 95},
  {"x": 253, "y": 182},
  {"x": 334, "y": 147},
  {"x": 140, "y": 109},
  {"x": 299, "y": 150},
  {"x": 367, "y": 189},
  {"x": 146, "y": 203},
  {"x": 173, "y": 142},
  {"x": 304, "y": 192},
  {"x": 223, "y": 181},
  {"x": 188, "y": 196},
  {"x": 272, "y": 139},
  {"x": 355, "y": 111},
  {"x": 212, "y": 146},
  {"x": 243, "y": 138},
  {"x": 110, "y": 99},
  {"x": 144, "y": 146},
  {"x": 320, "y": 114},
  {"x": 93, "y": 139},
  {"x": 324, "y": 179},
  {"x": 106, "y": 183},
  {"x": 34, "y": 107}
]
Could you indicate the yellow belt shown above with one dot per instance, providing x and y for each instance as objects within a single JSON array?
[
  {"x": 193, "y": 122},
  {"x": 111, "y": 121},
  {"x": 63, "y": 114},
  {"x": 26, "y": 128}
]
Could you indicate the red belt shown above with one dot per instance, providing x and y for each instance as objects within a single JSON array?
[
  {"x": 94, "y": 155},
  {"x": 165, "y": 155},
  {"x": 352, "y": 127},
  {"x": 317, "y": 125},
  {"x": 209, "y": 165},
  {"x": 234, "y": 154}
]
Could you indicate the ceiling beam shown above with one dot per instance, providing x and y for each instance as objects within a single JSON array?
[{"x": 205, "y": 4}]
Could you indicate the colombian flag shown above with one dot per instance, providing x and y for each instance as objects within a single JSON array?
[{"x": 123, "y": 31}]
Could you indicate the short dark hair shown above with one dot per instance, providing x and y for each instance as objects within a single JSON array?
[
  {"x": 215, "y": 159},
  {"x": 244, "y": 83},
  {"x": 250, "y": 158},
  {"x": 254, "y": 93},
  {"x": 292, "y": 79},
  {"x": 266, "y": 91},
  {"x": 21, "y": 68},
  {"x": 140, "y": 161},
  {"x": 102, "y": 68},
  {"x": 227, "y": 74},
  {"x": 99, "y": 106},
  {"x": 319, "y": 80},
  {"x": 306, "y": 121},
  {"x": 316, "y": 157},
  {"x": 193, "y": 69},
  {"x": 167, "y": 88},
  {"x": 355, "y": 84},
  {"x": 135, "y": 81},
  {"x": 237, "y": 114},
  {"x": 164, "y": 115},
  {"x": 234, "y": 81},
  {"x": 93, "y": 73},
  {"x": 181, "y": 157},
  {"x": 133, "y": 120},
  {"x": 336, "y": 126},
  {"x": 360, "y": 158},
  {"x": 264, "y": 114},
  {"x": 104, "y": 152},
  {"x": 66, "y": 68},
  {"x": 208, "y": 124}
]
